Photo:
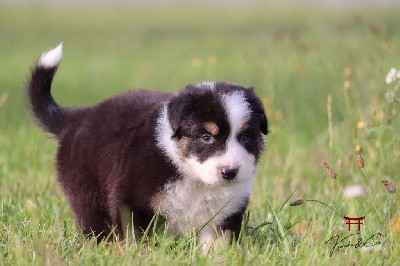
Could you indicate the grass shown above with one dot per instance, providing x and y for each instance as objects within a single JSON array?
[{"x": 321, "y": 75}]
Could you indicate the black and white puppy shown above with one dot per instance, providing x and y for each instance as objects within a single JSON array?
[{"x": 190, "y": 157}]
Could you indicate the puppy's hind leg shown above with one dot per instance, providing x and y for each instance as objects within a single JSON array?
[
  {"x": 88, "y": 205},
  {"x": 95, "y": 221},
  {"x": 96, "y": 225}
]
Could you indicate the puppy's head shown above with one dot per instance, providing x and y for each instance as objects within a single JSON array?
[{"x": 214, "y": 132}]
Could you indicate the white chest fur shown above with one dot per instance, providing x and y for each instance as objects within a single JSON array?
[{"x": 189, "y": 204}]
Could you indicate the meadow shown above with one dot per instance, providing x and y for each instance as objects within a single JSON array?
[{"x": 320, "y": 73}]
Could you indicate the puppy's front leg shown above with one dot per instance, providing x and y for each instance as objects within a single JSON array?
[{"x": 211, "y": 237}]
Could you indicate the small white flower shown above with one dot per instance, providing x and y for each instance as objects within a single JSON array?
[
  {"x": 354, "y": 191},
  {"x": 389, "y": 96},
  {"x": 392, "y": 75}
]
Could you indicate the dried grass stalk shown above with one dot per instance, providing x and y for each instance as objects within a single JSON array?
[
  {"x": 390, "y": 187},
  {"x": 328, "y": 169},
  {"x": 360, "y": 161},
  {"x": 297, "y": 202}
]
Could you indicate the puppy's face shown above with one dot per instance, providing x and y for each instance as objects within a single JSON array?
[{"x": 217, "y": 132}]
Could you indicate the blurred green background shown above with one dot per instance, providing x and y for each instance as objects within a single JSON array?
[{"x": 296, "y": 56}]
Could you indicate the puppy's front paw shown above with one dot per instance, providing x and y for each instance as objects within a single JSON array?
[{"x": 214, "y": 240}]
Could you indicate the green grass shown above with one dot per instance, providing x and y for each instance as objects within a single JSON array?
[{"x": 295, "y": 57}]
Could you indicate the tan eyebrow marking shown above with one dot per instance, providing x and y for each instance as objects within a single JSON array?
[
  {"x": 243, "y": 128},
  {"x": 211, "y": 127}
]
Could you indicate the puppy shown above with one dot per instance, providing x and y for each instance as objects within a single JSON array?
[{"x": 190, "y": 157}]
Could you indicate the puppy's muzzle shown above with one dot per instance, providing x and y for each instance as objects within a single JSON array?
[{"x": 229, "y": 173}]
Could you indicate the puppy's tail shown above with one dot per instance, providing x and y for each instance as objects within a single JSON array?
[{"x": 47, "y": 112}]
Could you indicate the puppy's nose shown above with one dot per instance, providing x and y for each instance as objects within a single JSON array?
[{"x": 229, "y": 173}]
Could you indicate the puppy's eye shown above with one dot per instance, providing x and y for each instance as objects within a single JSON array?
[
  {"x": 207, "y": 139},
  {"x": 244, "y": 138}
]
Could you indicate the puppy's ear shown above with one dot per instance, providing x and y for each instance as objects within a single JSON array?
[
  {"x": 176, "y": 111},
  {"x": 257, "y": 107}
]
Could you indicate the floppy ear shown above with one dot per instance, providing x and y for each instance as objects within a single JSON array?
[
  {"x": 257, "y": 107},
  {"x": 176, "y": 111}
]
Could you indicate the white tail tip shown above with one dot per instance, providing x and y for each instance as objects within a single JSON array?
[{"x": 51, "y": 58}]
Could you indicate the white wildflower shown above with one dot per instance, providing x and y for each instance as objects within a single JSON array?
[
  {"x": 392, "y": 76},
  {"x": 354, "y": 191},
  {"x": 389, "y": 96}
]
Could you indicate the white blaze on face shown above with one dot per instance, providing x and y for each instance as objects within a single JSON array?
[
  {"x": 235, "y": 155},
  {"x": 238, "y": 110}
]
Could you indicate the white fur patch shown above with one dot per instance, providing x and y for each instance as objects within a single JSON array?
[
  {"x": 164, "y": 139},
  {"x": 52, "y": 58},
  {"x": 235, "y": 156},
  {"x": 238, "y": 110},
  {"x": 188, "y": 204}
]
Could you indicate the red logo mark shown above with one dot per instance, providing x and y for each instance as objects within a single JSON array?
[{"x": 358, "y": 221}]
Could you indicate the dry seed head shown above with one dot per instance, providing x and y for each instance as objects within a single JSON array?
[
  {"x": 390, "y": 187},
  {"x": 361, "y": 124},
  {"x": 346, "y": 85},
  {"x": 348, "y": 71},
  {"x": 358, "y": 148},
  {"x": 360, "y": 161},
  {"x": 297, "y": 202},
  {"x": 328, "y": 169}
]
